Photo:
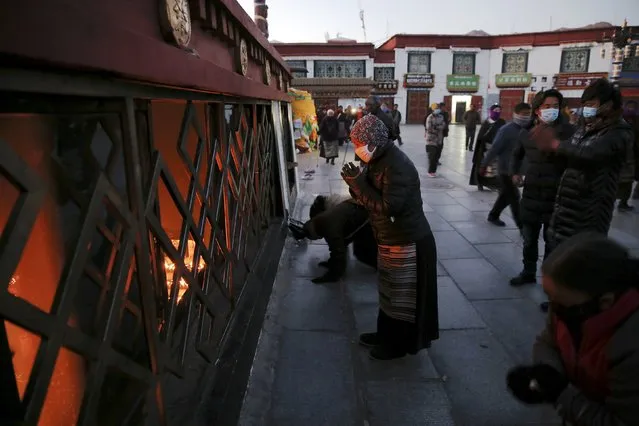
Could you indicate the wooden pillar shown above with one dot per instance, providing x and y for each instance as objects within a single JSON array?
[{"x": 261, "y": 16}]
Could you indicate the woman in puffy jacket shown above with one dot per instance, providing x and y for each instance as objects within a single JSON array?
[
  {"x": 586, "y": 361},
  {"x": 388, "y": 187},
  {"x": 594, "y": 158}
]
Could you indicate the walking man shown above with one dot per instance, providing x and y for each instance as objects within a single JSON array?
[
  {"x": 543, "y": 172},
  {"x": 507, "y": 138},
  {"x": 397, "y": 119},
  {"x": 471, "y": 120}
]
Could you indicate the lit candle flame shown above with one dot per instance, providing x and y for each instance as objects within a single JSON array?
[{"x": 169, "y": 268}]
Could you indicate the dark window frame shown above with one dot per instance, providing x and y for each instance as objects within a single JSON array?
[
  {"x": 317, "y": 62},
  {"x": 375, "y": 73},
  {"x": 503, "y": 60},
  {"x": 563, "y": 54},
  {"x": 473, "y": 54},
  {"x": 413, "y": 54}
]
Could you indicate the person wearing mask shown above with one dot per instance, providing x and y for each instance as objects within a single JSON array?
[
  {"x": 543, "y": 172},
  {"x": 586, "y": 360},
  {"x": 487, "y": 132},
  {"x": 388, "y": 187},
  {"x": 434, "y": 138},
  {"x": 507, "y": 138},
  {"x": 630, "y": 171},
  {"x": 471, "y": 121},
  {"x": 397, "y": 119},
  {"x": 374, "y": 106},
  {"x": 594, "y": 157},
  {"x": 446, "y": 116},
  {"x": 329, "y": 130}
]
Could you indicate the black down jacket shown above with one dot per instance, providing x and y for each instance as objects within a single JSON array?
[
  {"x": 543, "y": 171},
  {"x": 588, "y": 187},
  {"x": 391, "y": 194}
]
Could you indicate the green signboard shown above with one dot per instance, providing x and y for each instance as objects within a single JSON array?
[
  {"x": 462, "y": 83},
  {"x": 513, "y": 80}
]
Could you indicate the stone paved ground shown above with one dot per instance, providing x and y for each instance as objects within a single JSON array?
[{"x": 309, "y": 369}]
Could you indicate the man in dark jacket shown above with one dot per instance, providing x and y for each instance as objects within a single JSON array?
[
  {"x": 471, "y": 120},
  {"x": 397, "y": 119},
  {"x": 507, "y": 138},
  {"x": 374, "y": 106},
  {"x": 594, "y": 157},
  {"x": 340, "y": 221},
  {"x": 543, "y": 172}
]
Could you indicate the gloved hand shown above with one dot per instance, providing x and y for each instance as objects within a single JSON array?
[
  {"x": 326, "y": 278},
  {"x": 350, "y": 173},
  {"x": 324, "y": 264},
  {"x": 551, "y": 382},
  {"x": 536, "y": 384}
]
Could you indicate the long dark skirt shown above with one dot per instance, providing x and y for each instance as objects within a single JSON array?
[
  {"x": 408, "y": 316},
  {"x": 475, "y": 178}
]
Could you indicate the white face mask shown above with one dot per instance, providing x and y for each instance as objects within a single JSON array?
[
  {"x": 589, "y": 112},
  {"x": 364, "y": 154},
  {"x": 549, "y": 115}
]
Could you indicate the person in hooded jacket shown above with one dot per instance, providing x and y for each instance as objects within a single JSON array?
[
  {"x": 594, "y": 156},
  {"x": 542, "y": 178},
  {"x": 586, "y": 360},
  {"x": 388, "y": 187},
  {"x": 487, "y": 133}
]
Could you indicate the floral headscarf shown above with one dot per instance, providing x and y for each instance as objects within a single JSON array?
[{"x": 370, "y": 130}]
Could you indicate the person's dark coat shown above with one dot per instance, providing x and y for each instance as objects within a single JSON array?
[
  {"x": 543, "y": 171},
  {"x": 588, "y": 187},
  {"x": 446, "y": 116},
  {"x": 397, "y": 218},
  {"x": 340, "y": 221},
  {"x": 486, "y": 134},
  {"x": 630, "y": 172},
  {"x": 388, "y": 122}
]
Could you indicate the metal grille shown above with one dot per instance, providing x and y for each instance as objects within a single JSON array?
[
  {"x": 464, "y": 63},
  {"x": 515, "y": 62},
  {"x": 419, "y": 63},
  {"x": 340, "y": 69},
  {"x": 298, "y": 64},
  {"x": 384, "y": 73},
  {"x": 127, "y": 231},
  {"x": 575, "y": 60}
]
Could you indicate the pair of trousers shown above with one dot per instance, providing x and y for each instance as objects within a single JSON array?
[
  {"x": 434, "y": 153},
  {"x": 530, "y": 234},
  {"x": 508, "y": 196},
  {"x": 624, "y": 192},
  {"x": 470, "y": 136}
]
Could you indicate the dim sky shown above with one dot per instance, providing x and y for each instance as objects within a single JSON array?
[{"x": 308, "y": 20}]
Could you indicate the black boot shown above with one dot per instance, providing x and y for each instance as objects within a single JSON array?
[
  {"x": 385, "y": 353},
  {"x": 523, "y": 278},
  {"x": 369, "y": 340},
  {"x": 496, "y": 220},
  {"x": 625, "y": 207}
]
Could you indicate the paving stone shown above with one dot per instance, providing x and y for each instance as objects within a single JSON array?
[
  {"x": 441, "y": 271},
  {"x": 426, "y": 208},
  {"x": 410, "y": 368},
  {"x": 362, "y": 291},
  {"x": 308, "y": 306},
  {"x": 480, "y": 233},
  {"x": 515, "y": 323},
  {"x": 510, "y": 224},
  {"x": 478, "y": 279},
  {"x": 625, "y": 238},
  {"x": 314, "y": 384},
  {"x": 475, "y": 366},
  {"x": 437, "y": 223},
  {"x": 459, "y": 194},
  {"x": 451, "y": 245},
  {"x": 365, "y": 317},
  {"x": 474, "y": 205},
  {"x": 408, "y": 404},
  {"x": 304, "y": 259},
  {"x": 438, "y": 199},
  {"x": 454, "y": 213},
  {"x": 506, "y": 257},
  {"x": 455, "y": 311}
]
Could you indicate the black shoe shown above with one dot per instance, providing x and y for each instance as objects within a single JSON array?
[
  {"x": 326, "y": 278},
  {"x": 298, "y": 231},
  {"x": 382, "y": 353},
  {"x": 480, "y": 188},
  {"x": 370, "y": 340},
  {"x": 625, "y": 207},
  {"x": 496, "y": 221},
  {"x": 439, "y": 164},
  {"x": 523, "y": 279},
  {"x": 544, "y": 306}
]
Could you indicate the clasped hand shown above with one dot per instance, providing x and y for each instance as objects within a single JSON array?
[
  {"x": 544, "y": 137},
  {"x": 350, "y": 172},
  {"x": 536, "y": 384}
]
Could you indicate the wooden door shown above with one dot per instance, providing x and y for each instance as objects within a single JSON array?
[
  {"x": 478, "y": 101},
  {"x": 416, "y": 106},
  {"x": 508, "y": 99}
]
